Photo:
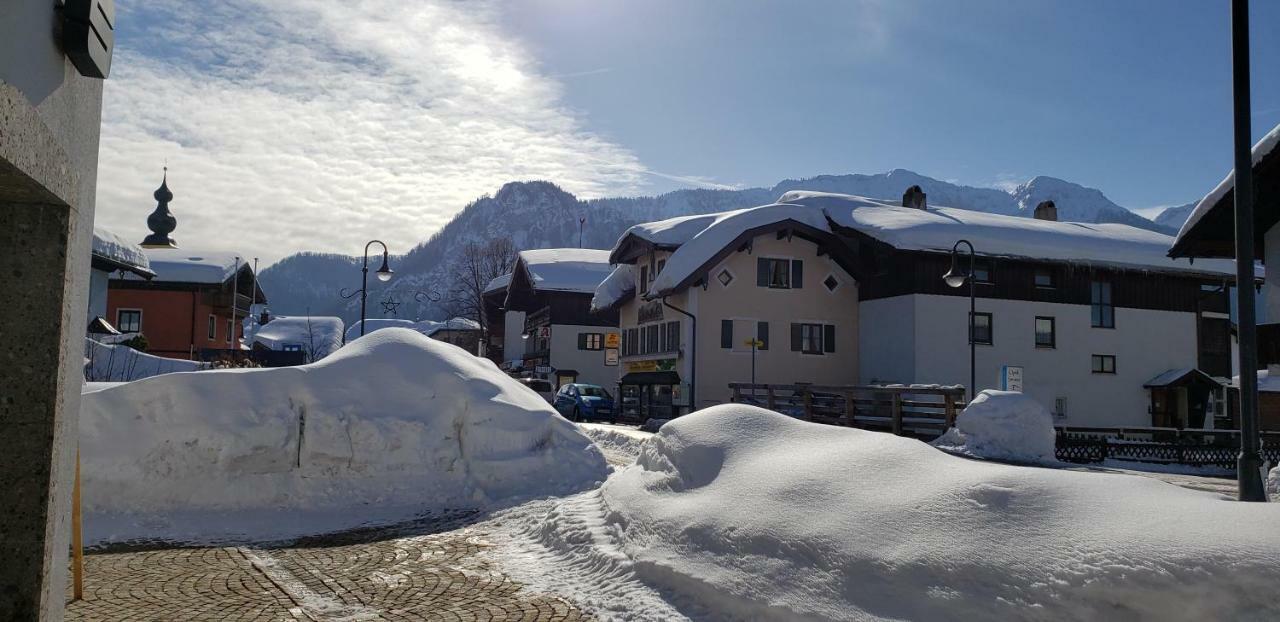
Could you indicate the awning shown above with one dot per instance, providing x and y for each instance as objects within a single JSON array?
[
  {"x": 567, "y": 372},
  {"x": 651, "y": 377},
  {"x": 1180, "y": 377}
]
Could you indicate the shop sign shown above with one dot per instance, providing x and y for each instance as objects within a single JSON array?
[
  {"x": 652, "y": 365},
  {"x": 612, "y": 340},
  {"x": 649, "y": 312},
  {"x": 611, "y": 357}
]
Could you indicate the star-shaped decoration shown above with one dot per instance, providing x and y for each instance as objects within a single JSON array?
[{"x": 390, "y": 306}]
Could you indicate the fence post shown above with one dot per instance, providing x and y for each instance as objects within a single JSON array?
[
  {"x": 808, "y": 403},
  {"x": 848, "y": 408},
  {"x": 949, "y": 408},
  {"x": 769, "y": 399},
  {"x": 737, "y": 394},
  {"x": 897, "y": 413}
]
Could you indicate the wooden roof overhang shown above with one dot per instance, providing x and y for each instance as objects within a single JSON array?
[{"x": 1214, "y": 234}]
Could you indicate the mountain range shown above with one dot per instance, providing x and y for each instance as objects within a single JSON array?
[{"x": 539, "y": 214}]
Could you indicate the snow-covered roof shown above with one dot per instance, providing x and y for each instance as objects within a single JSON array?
[
  {"x": 618, "y": 285},
  {"x": 1261, "y": 150},
  {"x": 565, "y": 269},
  {"x": 938, "y": 229},
  {"x": 116, "y": 250},
  {"x": 321, "y": 335},
  {"x": 498, "y": 283},
  {"x": 1267, "y": 383},
  {"x": 1172, "y": 376},
  {"x": 179, "y": 265}
]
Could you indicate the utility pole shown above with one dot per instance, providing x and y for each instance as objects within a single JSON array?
[{"x": 581, "y": 222}]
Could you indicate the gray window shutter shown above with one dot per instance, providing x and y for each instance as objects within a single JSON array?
[
  {"x": 828, "y": 338},
  {"x": 582, "y": 341},
  {"x": 762, "y": 272},
  {"x": 726, "y": 333},
  {"x": 797, "y": 274},
  {"x": 797, "y": 337},
  {"x": 762, "y": 333}
]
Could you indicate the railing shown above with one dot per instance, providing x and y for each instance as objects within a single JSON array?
[
  {"x": 921, "y": 411},
  {"x": 1159, "y": 445}
]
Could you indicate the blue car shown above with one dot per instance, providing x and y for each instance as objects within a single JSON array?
[{"x": 581, "y": 402}]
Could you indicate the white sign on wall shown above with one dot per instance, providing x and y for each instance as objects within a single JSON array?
[
  {"x": 611, "y": 356},
  {"x": 1011, "y": 378}
]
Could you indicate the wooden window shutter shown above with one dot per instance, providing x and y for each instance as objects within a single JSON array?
[
  {"x": 762, "y": 272},
  {"x": 797, "y": 274},
  {"x": 726, "y": 333},
  {"x": 582, "y": 341},
  {"x": 828, "y": 338},
  {"x": 797, "y": 337},
  {"x": 762, "y": 333}
]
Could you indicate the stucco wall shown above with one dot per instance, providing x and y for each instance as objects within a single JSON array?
[
  {"x": 589, "y": 363},
  {"x": 1145, "y": 344},
  {"x": 887, "y": 340}
]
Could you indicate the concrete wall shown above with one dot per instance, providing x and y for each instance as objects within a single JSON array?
[
  {"x": 589, "y": 363},
  {"x": 49, "y": 121},
  {"x": 1145, "y": 344}
]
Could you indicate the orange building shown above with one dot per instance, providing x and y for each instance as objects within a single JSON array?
[{"x": 185, "y": 311}]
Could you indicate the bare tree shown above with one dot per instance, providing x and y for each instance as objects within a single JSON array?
[{"x": 471, "y": 274}]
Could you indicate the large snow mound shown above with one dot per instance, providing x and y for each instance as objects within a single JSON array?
[
  {"x": 318, "y": 336},
  {"x": 1002, "y": 425},
  {"x": 757, "y": 515},
  {"x": 394, "y": 421},
  {"x": 105, "y": 362}
]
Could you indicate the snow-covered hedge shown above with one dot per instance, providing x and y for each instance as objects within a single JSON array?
[
  {"x": 753, "y": 514},
  {"x": 1002, "y": 425},
  {"x": 389, "y": 426}
]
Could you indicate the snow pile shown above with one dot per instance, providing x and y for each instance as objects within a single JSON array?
[
  {"x": 1273, "y": 484},
  {"x": 180, "y": 265},
  {"x": 721, "y": 230},
  {"x": 1002, "y": 425},
  {"x": 116, "y": 249},
  {"x": 425, "y": 327},
  {"x": 620, "y": 444},
  {"x": 938, "y": 228},
  {"x": 620, "y": 284},
  {"x": 755, "y": 515},
  {"x": 390, "y": 426},
  {"x": 565, "y": 269},
  {"x": 104, "y": 362},
  {"x": 318, "y": 336}
]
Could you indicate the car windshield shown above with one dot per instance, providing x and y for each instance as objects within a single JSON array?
[{"x": 593, "y": 391}]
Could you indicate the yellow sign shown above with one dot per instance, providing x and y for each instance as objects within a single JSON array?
[
  {"x": 612, "y": 340},
  {"x": 642, "y": 366},
  {"x": 753, "y": 342}
]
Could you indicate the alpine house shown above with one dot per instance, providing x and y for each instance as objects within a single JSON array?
[{"x": 842, "y": 290}]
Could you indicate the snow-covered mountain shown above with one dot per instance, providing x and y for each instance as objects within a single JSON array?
[
  {"x": 1174, "y": 217},
  {"x": 539, "y": 214}
]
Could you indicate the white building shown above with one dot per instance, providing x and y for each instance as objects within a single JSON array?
[{"x": 1090, "y": 312}]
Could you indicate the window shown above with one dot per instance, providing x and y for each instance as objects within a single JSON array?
[
  {"x": 762, "y": 335},
  {"x": 291, "y": 347},
  {"x": 651, "y": 339},
  {"x": 673, "y": 336},
  {"x": 1104, "y": 364},
  {"x": 813, "y": 338},
  {"x": 1060, "y": 407},
  {"x": 213, "y": 327},
  {"x": 590, "y": 341},
  {"x": 230, "y": 329},
  {"x": 726, "y": 334},
  {"x": 1045, "y": 278},
  {"x": 129, "y": 320},
  {"x": 725, "y": 278},
  {"x": 1046, "y": 332},
  {"x": 830, "y": 283},
  {"x": 779, "y": 273},
  {"x": 662, "y": 263},
  {"x": 981, "y": 329},
  {"x": 1104, "y": 315},
  {"x": 644, "y": 278},
  {"x": 982, "y": 272}
]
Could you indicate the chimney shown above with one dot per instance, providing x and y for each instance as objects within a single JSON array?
[
  {"x": 1046, "y": 210},
  {"x": 913, "y": 197}
]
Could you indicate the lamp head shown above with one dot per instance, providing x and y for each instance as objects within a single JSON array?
[
  {"x": 384, "y": 273},
  {"x": 955, "y": 277}
]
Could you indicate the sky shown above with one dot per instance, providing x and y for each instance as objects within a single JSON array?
[{"x": 294, "y": 125}]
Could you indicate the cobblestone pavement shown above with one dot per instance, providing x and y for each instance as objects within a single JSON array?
[{"x": 371, "y": 575}]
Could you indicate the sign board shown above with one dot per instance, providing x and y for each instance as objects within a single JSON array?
[
  {"x": 612, "y": 340},
  {"x": 542, "y": 369},
  {"x": 1011, "y": 378},
  {"x": 652, "y": 365},
  {"x": 611, "y": 356},
  {"x": 649, "y": 312},
  {"x": 544, "y": 332}
]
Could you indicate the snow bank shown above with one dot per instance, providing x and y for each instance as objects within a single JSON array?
[
  {"x": 318, "y": 336},
  {"x": 425, "y": 327},
  {"x": 118, "y": 363},
  {"x": 756, "y": 515},
  {"x": 619, "y": 444},
  {"x": 1002, "y": 425},
  {"x": 391, "y": 425},
  {"x": 1273, "y": 484}
]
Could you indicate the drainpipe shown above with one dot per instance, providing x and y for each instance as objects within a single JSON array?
[{"x": 693, "y": 352}]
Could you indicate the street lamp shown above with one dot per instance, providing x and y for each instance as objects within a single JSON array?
[
  {"x": 956, "y": 278},
  {"x": 384, "y": 274}
]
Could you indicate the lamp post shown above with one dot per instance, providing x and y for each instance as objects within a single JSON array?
[
  {"x": 956, "y": 278},
  {"x": 384, "y": 274},
  {"x": 754, "y": 343}
]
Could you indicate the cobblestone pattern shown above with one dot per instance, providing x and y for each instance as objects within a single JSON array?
[{"x": 433, "y": 577}]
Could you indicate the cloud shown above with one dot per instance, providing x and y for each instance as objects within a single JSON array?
[{"x": 291, "y": 125}]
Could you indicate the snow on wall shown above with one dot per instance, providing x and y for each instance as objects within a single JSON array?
[
  {"x": 566, "y": 269},
  {"x": 319, "y": 336},
  {"x": 1261, "y": 149},
  {"x": 118, "y": 363},
  {"x": 755, "y": 515},
  {"x": 388, "y": 427}
]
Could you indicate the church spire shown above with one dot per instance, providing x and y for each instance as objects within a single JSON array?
[{"x": 161, "y": 221}]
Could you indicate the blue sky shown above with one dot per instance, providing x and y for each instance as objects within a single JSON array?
[
  {"x": 1129, "y": 97},
  {"x": 319, "y": 125}
]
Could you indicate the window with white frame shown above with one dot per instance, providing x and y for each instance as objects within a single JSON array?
[
  {"x": 129, "y": 320},
  {"x": 213, "y": 327}
]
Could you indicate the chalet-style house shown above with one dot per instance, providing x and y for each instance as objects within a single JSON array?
[
  {"x": 186, "y": 310},
  {"x": 844, "y": 290},
  {"x": 543, "y": 310},
  {"x": 111, "y": 254}
]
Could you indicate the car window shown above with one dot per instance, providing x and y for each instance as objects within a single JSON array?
[{"x": 594, "y": 391}]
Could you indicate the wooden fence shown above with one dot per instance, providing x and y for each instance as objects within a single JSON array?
[{"x": 918, "y": 411}]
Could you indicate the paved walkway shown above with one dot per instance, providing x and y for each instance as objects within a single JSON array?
[{"x": 373, "y": 575}]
